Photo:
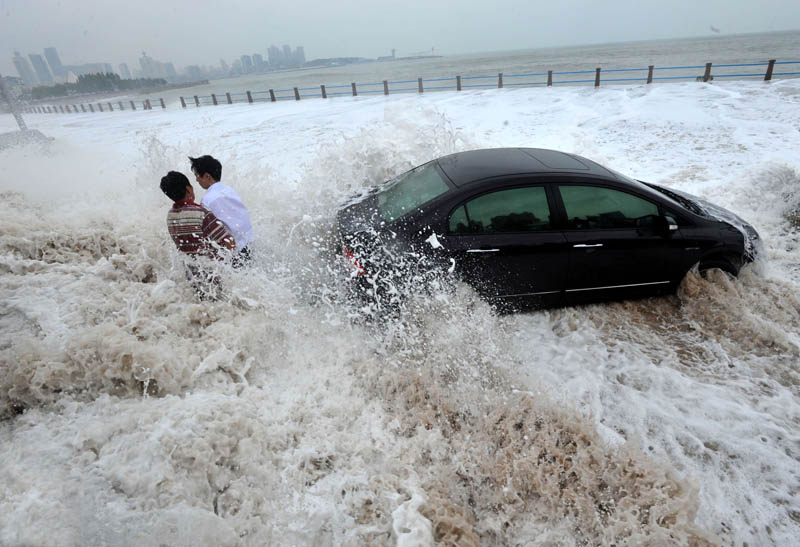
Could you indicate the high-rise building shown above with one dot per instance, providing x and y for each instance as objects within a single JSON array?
[
  {"x": 247, "y": 64},
  {"x": 42, "y": 72},
  {"x": 169, "y": 69},
  {"x": 274, "y": 55},
  {"x": 148, "y": 65},
  {"x": 124, "y": 71},
  {"x": 54, "y": 61},
  {"x": 287, "y": 55},
  {"x": 258, "y": 62},
  {"x": 24, "y": 69},
  {"x": 300, "y": 55}
]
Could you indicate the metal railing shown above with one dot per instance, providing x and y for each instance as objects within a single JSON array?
[{"x": 648, "y": 75}]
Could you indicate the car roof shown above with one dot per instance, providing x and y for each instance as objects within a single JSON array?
[{"x": 464, "y": 168}]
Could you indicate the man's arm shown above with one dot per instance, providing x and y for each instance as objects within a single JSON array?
[{"x": 215, "y": 231}]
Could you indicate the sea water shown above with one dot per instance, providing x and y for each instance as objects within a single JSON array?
[
  {"x": 134, "y": 414},
  {"x": 717, "y": 49}
]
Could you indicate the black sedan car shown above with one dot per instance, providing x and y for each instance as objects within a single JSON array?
[{"x": 528, "y": 227}]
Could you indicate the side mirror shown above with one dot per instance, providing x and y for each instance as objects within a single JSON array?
[
  {"x": 671, "y": 223},
  {"x": 660, "y": 223}
]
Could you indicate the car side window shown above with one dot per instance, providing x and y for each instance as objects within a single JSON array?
[
  {"x": 592, "y": 207},
  {"x": 505, "y": 211}
]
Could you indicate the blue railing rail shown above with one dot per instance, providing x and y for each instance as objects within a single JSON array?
[
  {"x": 650, "y": 74},
  {"x": 100, "y": 106}
]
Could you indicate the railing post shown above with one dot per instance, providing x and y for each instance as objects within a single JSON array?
[
  {"x": 597, "y": 77},
  {"x": 707, "y": 75},
  {"x": 549, "y": 78},
  {"x": 122, "y": 107},
  {"x": 133, "y": 105},
  {"x": 83, "y": 107},
  {"x": 66, "y": 106},
  {"x": 91, "y": 108},
  {"x": 228, "y": 96},
  {"x": 100, "y": 106},
  {"x": 272, "y": 95},
  {"x": 163, "y": 106},
  {"x": 110, "y": 108},
  {"x": 768, "y": 75},
  {"x": 61, "y": 106},
  {"x": 386, "y": 87},
  {"x": 650, "y": 74},
  {"x": 296, "y": 94},
  {"x": 458, "y": 83},
  {"x": 499, "y": 80},
  {"x": 214, "y": 99},
  {"x": 353, "y": 86},
  {"x": 324, "y": 93},
  {"x": 196, "y": 101},
  {"x": 249, "y": 97},
  {"x": 419, "y": 85},
  {"x": 183, "y": 103},
  {"x": 148, "y": 106}
]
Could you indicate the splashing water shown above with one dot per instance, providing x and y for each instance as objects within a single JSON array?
[{"x": 134, "y": 414}]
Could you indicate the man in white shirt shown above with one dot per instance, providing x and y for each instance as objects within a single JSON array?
[{"x": 225, "y": 203}]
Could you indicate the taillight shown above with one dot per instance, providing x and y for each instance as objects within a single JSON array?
[{"x": 351, "y": 258}]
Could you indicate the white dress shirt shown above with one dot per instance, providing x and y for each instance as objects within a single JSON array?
[{"x": 225, "y": 203}]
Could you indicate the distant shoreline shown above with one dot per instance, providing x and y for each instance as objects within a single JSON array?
[{"x": 108, "y": 95}]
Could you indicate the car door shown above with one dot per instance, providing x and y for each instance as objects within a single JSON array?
[
  {"x": 618, "y": 243},
  {"x": 506, "y": 244}
]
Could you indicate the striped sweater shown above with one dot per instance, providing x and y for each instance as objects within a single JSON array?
[{"x": 196, "y": 231}]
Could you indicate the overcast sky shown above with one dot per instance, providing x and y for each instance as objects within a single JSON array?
[{"x": 201, "y": 32}]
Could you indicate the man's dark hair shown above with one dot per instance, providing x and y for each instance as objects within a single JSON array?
[
  {"x": 174, "y": 185},
  {"x": 207, "y": 164}
]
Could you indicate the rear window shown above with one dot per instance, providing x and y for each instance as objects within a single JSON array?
[{"x": 409, "y": 191}]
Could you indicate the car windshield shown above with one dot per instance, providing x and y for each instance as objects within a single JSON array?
[
  {"x": 683, "y": 199},
  {"x": 409, "y": 191},
  {"x": 675, "y": 196}
]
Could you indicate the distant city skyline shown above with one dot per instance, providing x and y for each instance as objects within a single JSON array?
[
  {"x": 39, "y": 72},
  {"x": 197, "y": 32}
]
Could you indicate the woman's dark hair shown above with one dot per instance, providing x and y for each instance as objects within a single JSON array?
[
  {"x": 174, "y": 185},
  {"x": 207, "y": 164}
]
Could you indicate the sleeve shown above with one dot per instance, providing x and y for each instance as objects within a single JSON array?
[{"x": 215, "y": 232}]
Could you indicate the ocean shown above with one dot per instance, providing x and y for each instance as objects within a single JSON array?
[
  {"x": 134, "y": 414},
  {"x": 722, "y": 49}
]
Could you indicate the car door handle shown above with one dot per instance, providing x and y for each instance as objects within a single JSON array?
[
  {"x": 482, "y": 250},
  {"x": 584, "y": 245}
]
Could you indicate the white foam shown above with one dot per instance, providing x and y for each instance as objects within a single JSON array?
[{"x": 272, "y": 418}]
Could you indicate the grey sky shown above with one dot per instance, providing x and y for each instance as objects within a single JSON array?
[{"x": 201, "y": 32}]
